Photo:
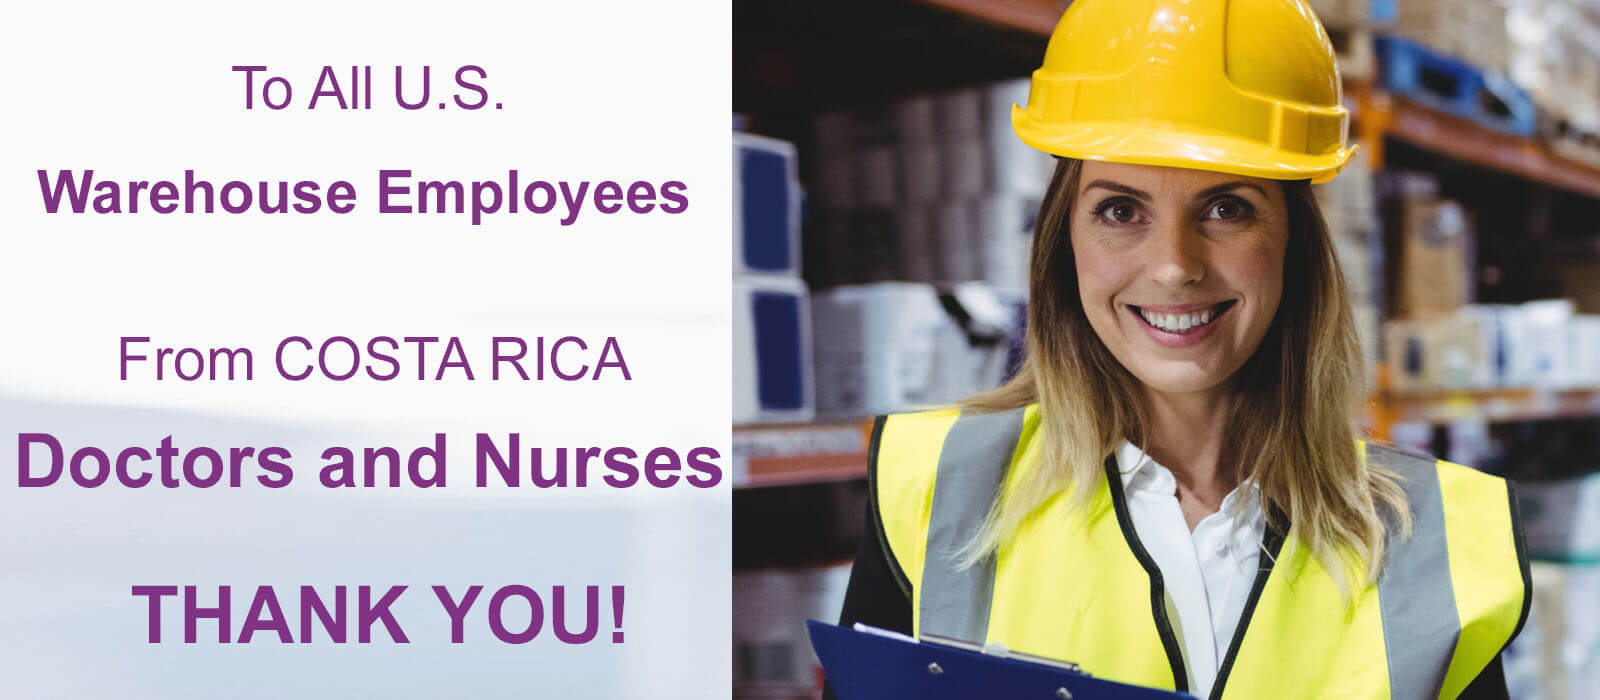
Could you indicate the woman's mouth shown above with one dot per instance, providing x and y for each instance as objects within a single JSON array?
[{"x": 1177, "y": 330}]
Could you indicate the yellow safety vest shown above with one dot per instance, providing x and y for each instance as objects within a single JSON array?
[{"x": 1078, "y": 586}]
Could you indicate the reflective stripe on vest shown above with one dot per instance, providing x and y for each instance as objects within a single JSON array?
[{"x": 1418, "y": 615}]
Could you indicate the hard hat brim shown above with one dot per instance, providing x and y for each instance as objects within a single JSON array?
[{"x": 1176, "y": 146}]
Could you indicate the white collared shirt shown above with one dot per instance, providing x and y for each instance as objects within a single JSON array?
[{"x": 1208, "y": 572}]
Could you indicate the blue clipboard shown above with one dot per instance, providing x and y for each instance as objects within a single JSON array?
[{"x": 868, "y": 666}]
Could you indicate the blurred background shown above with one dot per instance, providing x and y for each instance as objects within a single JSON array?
[{"x": 884, "y": 211}]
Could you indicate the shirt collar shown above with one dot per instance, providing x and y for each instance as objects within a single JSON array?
[{"x": 1140, "y": 472}]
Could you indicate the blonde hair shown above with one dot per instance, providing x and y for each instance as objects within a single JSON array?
[{"x": 1290, "y": 423}]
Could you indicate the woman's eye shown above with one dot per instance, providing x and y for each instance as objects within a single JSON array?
[
  {"x": 1118, "y": 212},
  {"x": 1231, "y": 209}
]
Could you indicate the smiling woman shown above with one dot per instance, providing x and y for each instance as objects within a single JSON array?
[{"x": 1171, "y": 491}]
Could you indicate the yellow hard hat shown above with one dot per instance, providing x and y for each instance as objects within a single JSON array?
[{"x": 1248, "y": 87}]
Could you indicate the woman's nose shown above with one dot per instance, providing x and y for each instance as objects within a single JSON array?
[{"x": 1177, "y": 254}]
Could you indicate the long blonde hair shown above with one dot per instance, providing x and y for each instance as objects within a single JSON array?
[{"x": 1290, "y": 428}]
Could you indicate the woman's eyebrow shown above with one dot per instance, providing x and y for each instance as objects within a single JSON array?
[
  {"x": 1224, "y": 187},
  {"x": 1118, "y": 187}
]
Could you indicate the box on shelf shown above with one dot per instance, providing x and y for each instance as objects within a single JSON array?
[
  {"x": 889, "y": 346},
  {"x": 1583, "y": 351},
  {"x": 1476, "y": 31},
  {"x": 1432, "y": 274},
  {"x": 1536, "y": 344},
  {"x": 772, "y": 380},
  {"x": 766, "y": 222},
  {"x": 771, "y": 648},
  {"x": 1458, "y": 351},
  {"x": 875, "y": 347}
]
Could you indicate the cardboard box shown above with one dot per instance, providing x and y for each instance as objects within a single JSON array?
[
  {"x": 1459, "y": 351},
  {"x": 1435, "y": 258},
  {"x": 766, "y": 195},
  {"x": 772, "y": 380}
]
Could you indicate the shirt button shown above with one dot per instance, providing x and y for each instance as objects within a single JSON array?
[{"x": 1221, "y": 546}]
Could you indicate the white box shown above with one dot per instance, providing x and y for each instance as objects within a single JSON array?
[
  {"x": 1583, "y": 350},
  {"x": 768, "y": 643},
  {"x": 875, "y": 347},
  {"x": 766, "y": 196},
  {"x": 1536, "y": 344},
  {"x": 772, "y": 380},
  {"x": 1561, "y": 518},
  {"x": 770, "y": 609}
]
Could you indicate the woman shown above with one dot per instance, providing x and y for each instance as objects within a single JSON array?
[{"x": 1170, "y": 492}]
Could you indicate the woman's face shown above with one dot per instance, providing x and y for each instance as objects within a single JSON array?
[{"x": 1180, "y": 271}]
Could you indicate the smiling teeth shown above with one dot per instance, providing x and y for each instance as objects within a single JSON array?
[{"x": 1177, "y": 323}]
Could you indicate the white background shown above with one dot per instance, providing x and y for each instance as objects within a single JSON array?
[{"x": 617, "y": 90}]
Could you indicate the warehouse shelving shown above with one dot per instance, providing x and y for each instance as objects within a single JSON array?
[
  {"x": 800, "y": 453},
  {"x": 1491, "y": 405}
]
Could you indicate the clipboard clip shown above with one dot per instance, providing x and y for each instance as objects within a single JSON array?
[{"x": 1000, "y": 650}]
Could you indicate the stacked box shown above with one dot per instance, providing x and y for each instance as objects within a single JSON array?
[
  {"x": 1460, "y": 351},
  {"x": 895, "y": 345},
  {"x": 933, "y": 188},
  {"x": 1432, "y": 276},
  {"x": 1475, "y": 31},
  {"x": 766, "y": 193},
  {"x": 771, "y": 649},
  {"x": 771, "y": 305},
  {"x": 1536, "y": 344},
  {"x": 772, "y": 381},
  {"x": 1553, "y": 59},
  {"x": 875, "y": 347}
]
